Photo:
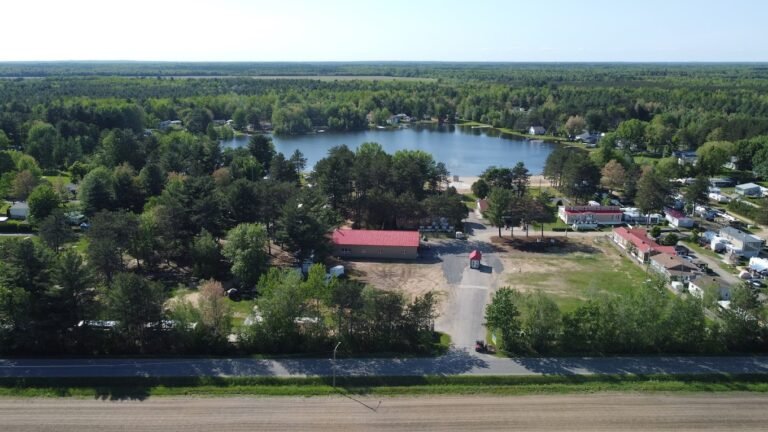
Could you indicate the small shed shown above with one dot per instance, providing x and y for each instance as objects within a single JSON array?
[
  {"x": 474, "y": 259},
  {"x": 19, "y": 210},
  {"x": 749, "y": 189}
]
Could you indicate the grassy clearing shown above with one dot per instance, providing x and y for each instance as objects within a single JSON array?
[
  {"x": 142, "y": 387},
  {"x": 573, "y": 277}
]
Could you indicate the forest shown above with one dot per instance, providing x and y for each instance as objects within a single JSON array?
[{"x": 131, "y": 196}]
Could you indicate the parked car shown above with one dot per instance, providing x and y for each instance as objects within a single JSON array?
[
  {"x": 756, "y": 283},
  {"x": 682, "y": 250}
]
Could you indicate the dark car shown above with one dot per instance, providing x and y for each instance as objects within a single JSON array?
[
  {"x": 682, "y": 250},
  {"x": 756, "y": 283}
]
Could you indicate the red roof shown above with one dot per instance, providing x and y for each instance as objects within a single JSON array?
[
  {"x": 476, "y": 255},
  {"x": 352, "y": 237},
  {"x": 639, "y": 238},
  {"x": 571, "y": 211},
  {"x": 674, "y": 213}
]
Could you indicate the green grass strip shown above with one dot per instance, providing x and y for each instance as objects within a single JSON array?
[{"x": 142, "y": 387}]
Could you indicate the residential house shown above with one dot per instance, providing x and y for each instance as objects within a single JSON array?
[
  {"x": 637, "y": 243},
  {"x": 677, "y": 218},
  {"x": 699, "y": 285},
  {"x": 19, "y": 210},
  {"x": 351, "y": 243},
  {"x": 537, "y": 130},
  {"x": 749, "y": 189},
  {"x": 600, "y": 215},
  {"x": 632, "y": 215},
  {"x": 686, "y": 157},
  {"x": 741, "y": 243},
  {"x": 721, "y": 182},
  {"x": 673, "y": 267}
]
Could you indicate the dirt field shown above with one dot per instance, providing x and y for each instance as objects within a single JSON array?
[
  {"x": 412, "y": 278},
  {"x": 605, "y": 412}
]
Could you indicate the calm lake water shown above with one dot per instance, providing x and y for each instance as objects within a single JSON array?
[{"x": 465, "y": 151}]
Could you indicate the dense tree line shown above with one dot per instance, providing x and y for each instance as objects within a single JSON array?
[{"x": 649, "y": 320}]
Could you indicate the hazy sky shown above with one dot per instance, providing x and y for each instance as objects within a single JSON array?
[{"x": 344, "y": 30}]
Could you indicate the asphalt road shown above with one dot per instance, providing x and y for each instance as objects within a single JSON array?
[
  {"x": 457, "y": 362},
  {"x": 611, "y": 412}
]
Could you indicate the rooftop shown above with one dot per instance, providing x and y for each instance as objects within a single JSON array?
[{"x": 352, "y": 237}]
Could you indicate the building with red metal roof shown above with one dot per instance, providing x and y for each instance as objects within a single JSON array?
[
  {"x": 638, "y": 244},
  {"x": 352, "y": 243},
  {"x": 600, "y": 215}
]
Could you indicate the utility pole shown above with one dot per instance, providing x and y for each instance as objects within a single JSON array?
[{"x": 334, "y": 364}]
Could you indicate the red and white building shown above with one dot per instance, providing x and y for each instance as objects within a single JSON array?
[
  {"x": 600, "y": 215},
  {"x": 638, "y": 245},
  {"x": 351, "y": 243},
  {"x": 677, "y": 218}
]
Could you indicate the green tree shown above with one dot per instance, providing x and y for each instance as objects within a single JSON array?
[
  {"x": 245, "y": 248},
  {"x": 206, "y": 256},
  {"x": 697, "y": 191},
  {"x": 503, "y": 315},
  {"x": 499, "y": 203},
  {"x": 263, "y": 149},
  {"x": 110, "y": 237},
  {"x": 75, "y": 287},
  {"x": 304, "y": 226},
  {"x": 54, "y": 230},
  {"x": 137, "y": 306},
  {"x": 712, "y": 156},
  {"x": 42, "y": 138},
  {"x": 42, "y": 202},
  {"x": 97, "y": 191},
  {"x": 521, "y": 179},
  {"x": 480, "y": 188},
  {"x": 541, "y": 322},
  {"x": 652, "y": 192}
]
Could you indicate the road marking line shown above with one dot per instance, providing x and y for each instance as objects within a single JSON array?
[{"x": 474, "y": 287}]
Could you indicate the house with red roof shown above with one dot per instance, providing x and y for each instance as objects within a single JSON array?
[
  {"x": 600, "y": 215},
  {"x": 677, "y": 218},
  {"x": 638, "y": 245},
  {"x": 353, "y": 243}
]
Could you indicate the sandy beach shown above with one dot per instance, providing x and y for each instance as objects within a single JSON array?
[{"x": 465, "y": 182}]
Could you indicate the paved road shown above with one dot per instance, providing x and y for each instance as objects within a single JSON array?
[
  {"x": 620, "y": 413},
  {"x": 457, "y": 362}
]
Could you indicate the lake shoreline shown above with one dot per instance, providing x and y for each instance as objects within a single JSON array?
[{"x": 465, "y": 151}]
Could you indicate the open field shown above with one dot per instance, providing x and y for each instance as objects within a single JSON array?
[
  {"x": 611, "y": 412},
  {"x": 587, "y": 266}
]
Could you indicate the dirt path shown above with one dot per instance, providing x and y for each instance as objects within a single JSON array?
[{"x": 605, "y": 412}]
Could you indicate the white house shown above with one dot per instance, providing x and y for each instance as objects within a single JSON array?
[
  {"x": 19, "y": 210},
  {"x": 746, "y": 245},
  {"x": 749, "y": 189},
  {"x": 601, "y": 215},
  {"x": 698, "y": 285},
  {"x": 536, "y": 130},
  {"x": 677, "y": 218}
]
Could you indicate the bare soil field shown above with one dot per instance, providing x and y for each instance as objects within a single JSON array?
[{"x": 604, "y": 412}]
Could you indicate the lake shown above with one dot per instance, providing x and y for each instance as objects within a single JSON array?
[{"x": 464, "y": 151}]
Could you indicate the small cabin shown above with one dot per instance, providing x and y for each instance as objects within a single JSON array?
[{"x": 474, "y": 259}]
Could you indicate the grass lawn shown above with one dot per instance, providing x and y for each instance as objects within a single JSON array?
[
  {"x": 144, "y": 387},
  {"x": 571, "y": 278},
  {"x": 63, "y": 178},
  {"x": 4, "y": 206}
]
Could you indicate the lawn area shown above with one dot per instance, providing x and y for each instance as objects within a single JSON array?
[
  {"x": 572, "y": 277},
  {"x": 4, "y": 206},
  {"x": 143, "y": 387}
]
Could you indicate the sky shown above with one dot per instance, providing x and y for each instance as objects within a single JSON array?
[{"x": 393, "y": 30}]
